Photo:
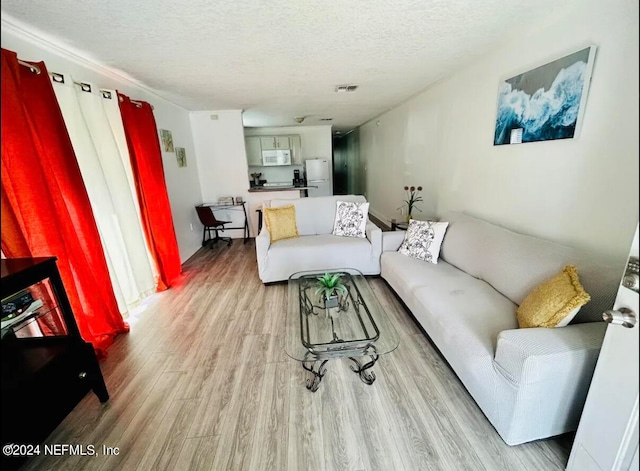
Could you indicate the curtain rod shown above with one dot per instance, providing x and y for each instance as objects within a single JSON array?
[
  {"x": 87, "y": 88},
  {"x": 84, "y": 86},
  {"x": 139, "y": 103},
  {"x": 32, "y": 67}
]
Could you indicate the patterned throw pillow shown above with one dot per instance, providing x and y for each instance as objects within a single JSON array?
[
  {"x": 423, "y": 240},
  {"x": 351, "y": 219}
]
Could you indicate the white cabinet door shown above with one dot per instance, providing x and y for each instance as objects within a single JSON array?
[
  {"x": 254, "y": 151},
  {"x": 268, "y": 143},
  {"x": 282, "y": 142},
  {"x": 296, "y": 150}
]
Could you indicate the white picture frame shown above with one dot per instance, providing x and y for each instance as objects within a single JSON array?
[{"x": 546, "y": 102}]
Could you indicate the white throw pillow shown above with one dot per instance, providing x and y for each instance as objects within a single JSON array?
[
  {"x": 423, "y": 240},
  {"x": 351, "y": 219}
]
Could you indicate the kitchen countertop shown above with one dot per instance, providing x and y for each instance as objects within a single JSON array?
[{"x": 258, "y": 189}]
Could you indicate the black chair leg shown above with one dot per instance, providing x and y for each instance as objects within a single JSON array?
[
  {"x": 210, "y": 240},
  {"x": 228, "y": 240}
]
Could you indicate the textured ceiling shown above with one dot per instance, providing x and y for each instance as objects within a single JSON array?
[{"x": 281, "y": 59}]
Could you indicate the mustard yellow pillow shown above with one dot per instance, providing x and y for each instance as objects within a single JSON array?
[
  {"x": 555, "y": 302},
  {"x": 281, "y": 222}
]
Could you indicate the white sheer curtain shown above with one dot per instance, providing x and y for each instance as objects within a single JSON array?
[{"x": 93, "y": 121}]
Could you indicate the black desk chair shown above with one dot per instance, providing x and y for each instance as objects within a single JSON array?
[{"x": 210, "y": 223}]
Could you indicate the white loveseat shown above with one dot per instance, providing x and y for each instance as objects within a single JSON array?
[
  {"x": 316, "y": 248},
  {"x": 530, "y": 383}
]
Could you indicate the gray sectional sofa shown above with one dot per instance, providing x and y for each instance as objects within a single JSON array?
[{"x": 530, "y": 383}]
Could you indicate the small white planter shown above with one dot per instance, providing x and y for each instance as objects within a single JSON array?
[{"x": 331, "y": 301}]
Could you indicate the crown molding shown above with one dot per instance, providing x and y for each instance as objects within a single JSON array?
[{"x": 42, "y": 40}]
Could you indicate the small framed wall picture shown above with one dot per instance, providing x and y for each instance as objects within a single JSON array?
[
  {"x": 167, "y": 140},
  {"x": 181, "y": 157}
]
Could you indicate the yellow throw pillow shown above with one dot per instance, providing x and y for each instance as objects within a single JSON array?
[
  {"x": 281, "y": 222},
  {"x": 551, "y": 303}
]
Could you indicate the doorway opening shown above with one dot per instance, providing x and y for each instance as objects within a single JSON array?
[{"x": 348, "y": 173}]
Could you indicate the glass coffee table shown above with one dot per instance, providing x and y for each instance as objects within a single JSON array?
[{"x": 357, "y": 328}]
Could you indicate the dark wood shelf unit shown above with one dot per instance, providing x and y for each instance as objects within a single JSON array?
[{"x": 44, "y": 374}]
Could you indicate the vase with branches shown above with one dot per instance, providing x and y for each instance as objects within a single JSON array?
[{"x": 413, "y": 197}]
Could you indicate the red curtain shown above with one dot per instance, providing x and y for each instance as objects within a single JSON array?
[
  {"x": 45, "y": 207},
  {"x": 148, "y": 173}
]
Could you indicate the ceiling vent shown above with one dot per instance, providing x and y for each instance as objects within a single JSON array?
[
  {"x": 326, "y": 119},
  {"x": 346, "y": 88}
]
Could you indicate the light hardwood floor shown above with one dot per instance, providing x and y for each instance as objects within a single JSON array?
[{"x": 202, "y": 383}]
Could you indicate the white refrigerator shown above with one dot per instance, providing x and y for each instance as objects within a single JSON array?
[{"x": 318, "y": 174}]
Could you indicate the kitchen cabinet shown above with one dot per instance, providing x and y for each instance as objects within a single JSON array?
[
  {"x": 47, "y": 368},
  {"x": 296, "y": 150},
  {"x": 253, "y": 148},
  {"x": 254, "y": 145},
  {"x": 275, "y": 142}
]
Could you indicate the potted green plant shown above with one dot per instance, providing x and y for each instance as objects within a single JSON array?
[{"x": 330, "y": 287}]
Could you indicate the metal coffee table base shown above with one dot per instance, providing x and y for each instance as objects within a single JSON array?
[
  {"x": 360, "y": 368},
  {"x": 313, "y": 384}
]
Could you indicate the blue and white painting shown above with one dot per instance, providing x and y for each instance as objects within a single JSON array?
[{"x": 546, "y": 102}]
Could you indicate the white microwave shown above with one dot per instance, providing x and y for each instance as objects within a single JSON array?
[{"x": 276, "y": 157}]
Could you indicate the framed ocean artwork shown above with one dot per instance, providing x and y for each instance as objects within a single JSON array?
[{"x": 546, "y": 102}]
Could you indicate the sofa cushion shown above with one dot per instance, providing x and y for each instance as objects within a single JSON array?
[
  {"x": 467, "y": 313},
  {"x": 351, "y": 219},
  {"x": 404, "y": 274},
  {"x": 514, "y": 264},
  {"x": 423, "y": 240},
  {"x": 281, "y": 222},
  {"x": 315, "y": 215},
  {"x": 324, "y": 251},
  {"x": 463, "y": 309},
  {"x": 555, "y": 302}
]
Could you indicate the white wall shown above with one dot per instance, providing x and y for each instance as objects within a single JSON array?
[
  {"x": 183, "y": 185},
  {"x": 222, "y": 162},
  {"x": 581, "y": 192},
  {"x": 315, "y": 142}
]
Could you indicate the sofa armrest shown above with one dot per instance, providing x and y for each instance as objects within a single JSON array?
[
  {"x": 391, "y": 241},
  {"x": 541, "y": 354},
  {"x": 374, "y": 234},
  {"x": 263, "y": 241}
]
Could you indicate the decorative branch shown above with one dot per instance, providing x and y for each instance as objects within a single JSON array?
[{"x": 413, "y": 197}]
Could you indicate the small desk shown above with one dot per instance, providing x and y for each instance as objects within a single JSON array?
[{"x": 234, "y": 207}]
